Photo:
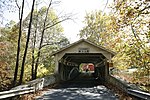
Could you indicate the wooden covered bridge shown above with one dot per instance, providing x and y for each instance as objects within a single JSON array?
[{"x": 68, "y": 59}]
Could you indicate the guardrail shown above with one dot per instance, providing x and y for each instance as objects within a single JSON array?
[
  {"x": 129, "y": 89},
  {"x": 139, "y": 94},
  {"x": 30, "y": 87},
  {"x": 12, "y": 93}
]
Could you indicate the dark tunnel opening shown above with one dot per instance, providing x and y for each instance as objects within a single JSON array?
[{"x": 83, "y": 68}]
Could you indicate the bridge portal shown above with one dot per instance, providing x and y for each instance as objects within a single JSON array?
[{"x": 68, "y": 59}]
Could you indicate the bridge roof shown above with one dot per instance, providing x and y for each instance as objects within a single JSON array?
[{"x": 87, "y": 41}]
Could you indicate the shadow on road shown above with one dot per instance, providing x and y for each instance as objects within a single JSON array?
[{"x": 81, "y": 88}]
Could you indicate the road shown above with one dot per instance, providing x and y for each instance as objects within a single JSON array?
[{"x": 79, "y": 89}]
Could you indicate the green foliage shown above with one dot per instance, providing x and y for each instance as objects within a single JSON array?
[
  {"x": 8, "y": 39},
  {"x": 101, "y": 29},
  {"x": 8, "y": 43},
  {"x": 53, "y": 39},
  {"x": 95, "y": 26},
  {"x": 133, "y": 20},
  {"x": 126, "y": 30},
  {"x": 42, "y": 71},
  {"x": 5, "y": 69}
]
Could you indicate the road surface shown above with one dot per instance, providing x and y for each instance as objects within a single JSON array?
[{"x": 79, "y": 89}]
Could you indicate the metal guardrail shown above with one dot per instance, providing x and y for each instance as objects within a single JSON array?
[
  {"x": 129, "y": 89},
  {"x": 139, "y": 94},
  {"x": 12, "y": 93},
  {"x": 29, "y": 87}
]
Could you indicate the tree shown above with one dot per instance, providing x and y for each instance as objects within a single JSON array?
[
  {"x": 95, "y": 27},
  {"x": 101, "y": 29},
  {"x": 51, "y": 34},
  {"x": 5, "y": 69},
  {"x": 41, "y": 41},
  {"x": 8, "y": 43},
  {"x": 116, "y": 32},
  {"x": 21, "y": 9},
  {"x": 52, "y": 39},
  {"x": 53, "y": 28},
  {"x": 27, "y": 42},
  {"x": 133, "y": 19}
]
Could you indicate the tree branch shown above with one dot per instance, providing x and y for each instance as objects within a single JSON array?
[
  {"x": 18, "y": 8},
  {"x": 105, "y": 6},
  {"x": 56, "y": 23},
  {"x": 138, "y": 39}
]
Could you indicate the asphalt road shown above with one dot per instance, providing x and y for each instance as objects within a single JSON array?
[{"x": 80, "y": 89}]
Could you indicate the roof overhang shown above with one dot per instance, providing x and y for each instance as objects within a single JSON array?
[{"x": 87, "y": 41}]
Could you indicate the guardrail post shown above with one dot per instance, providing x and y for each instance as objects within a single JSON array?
[
  {"x": 39, "y": 84},
  {"x": 29, "y": 87}
]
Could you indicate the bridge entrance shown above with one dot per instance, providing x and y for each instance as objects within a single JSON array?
[{"x": 69, "y": 59}]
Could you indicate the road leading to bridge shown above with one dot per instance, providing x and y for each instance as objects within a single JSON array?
[{"x": 82, "y": 88}]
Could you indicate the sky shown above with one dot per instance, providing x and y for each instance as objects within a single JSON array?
[{"x": 78, "y": 9}]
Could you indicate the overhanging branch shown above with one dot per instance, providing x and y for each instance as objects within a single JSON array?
[{"x": 56, "y": 23}]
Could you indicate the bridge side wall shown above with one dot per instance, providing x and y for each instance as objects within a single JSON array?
[
  {"x": 106, "y": 69},
  {"x": 118, "y": 83},
  {"x": 51, "y": 79},
  {"x": 103, "y": 70},
  {"x": 64, "y": 71}
]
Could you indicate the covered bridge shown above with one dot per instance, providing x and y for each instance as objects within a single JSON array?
[{"x": 68, "y": 59}]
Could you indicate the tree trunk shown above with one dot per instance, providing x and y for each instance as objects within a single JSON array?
[
  {"x": 33, "y": 49},
  {"x": 27, "y": 42},
  {"x": 33, "y": 58},
  {"x": 41, "y": 41},
  {"x": 19, "y": 41}
]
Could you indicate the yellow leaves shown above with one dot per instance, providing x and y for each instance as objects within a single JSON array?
[
  {"x": 142, "y": 76},
  {"x": 130, "y": 12},
  {"x": 42, "y": 71},
  {"x": 5, "y": 74},
  {"x": 146, "y": 57},
  {"x": 3, "y": 48},
  {"x": 98, "y": 27},
  {"x": 3, "y": 65}
]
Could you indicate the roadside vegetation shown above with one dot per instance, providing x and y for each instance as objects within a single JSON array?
[
  {"x": 125, "y": 30},
  {"x": 26, "y": 46}
]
